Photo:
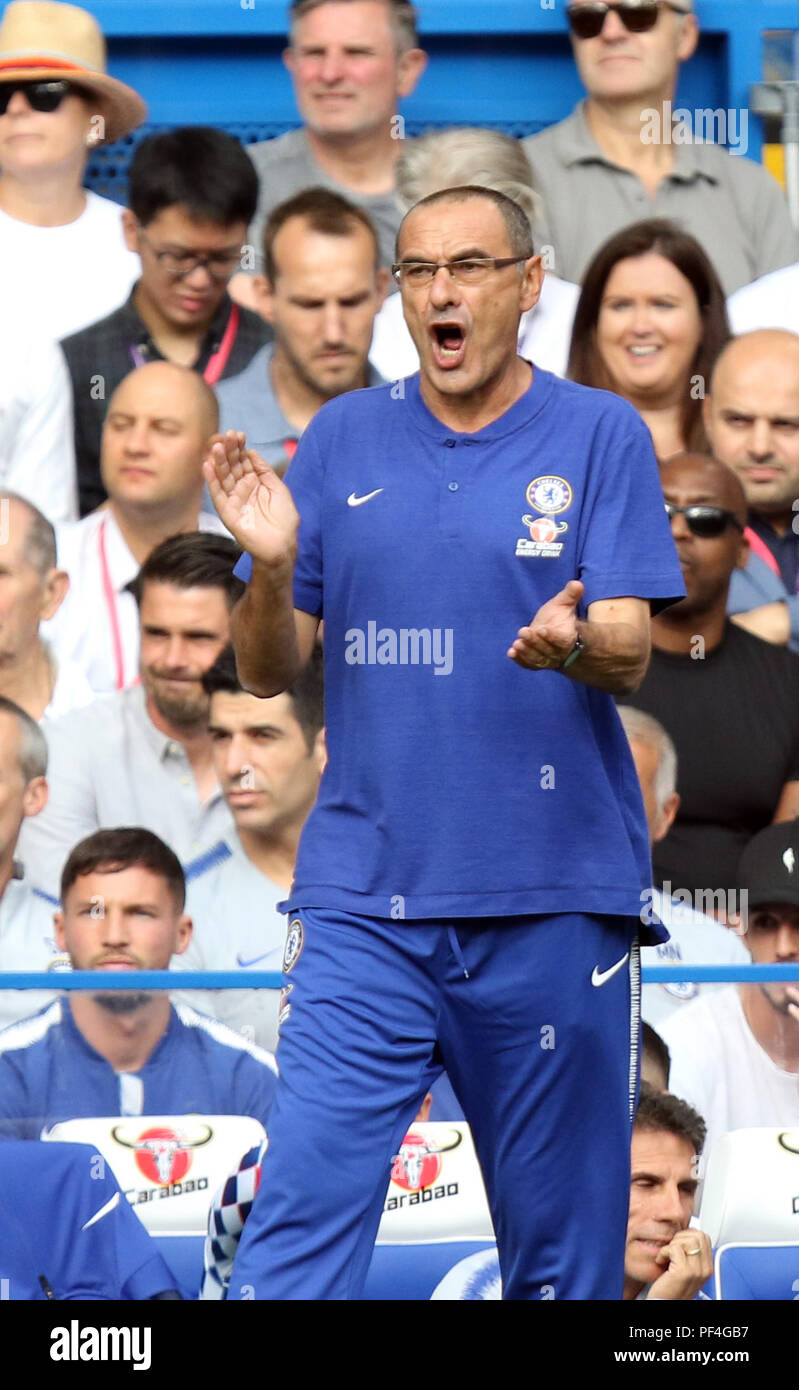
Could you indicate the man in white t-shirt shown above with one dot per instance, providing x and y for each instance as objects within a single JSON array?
[
  {"x": 37, "y": 456},
  {"x": 694, "y": 937},
  {"x": 158, "y": 423},
  {"x": 735, "y": 1055},
  {"x": 770, "y": 302},
  {"x": 27, "y": 937},
  {"x": 269, "y": 756},
  {"x": 32, "y": 590},
  {"x": 63, "y": 258}
]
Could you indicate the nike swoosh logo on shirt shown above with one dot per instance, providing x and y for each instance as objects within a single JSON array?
[
  {"x": 600, "y": 977},
  {"x": 246, "y": 963},
  {"x": 353, "y": 501},
  {"x": 98, "y": 1215}
]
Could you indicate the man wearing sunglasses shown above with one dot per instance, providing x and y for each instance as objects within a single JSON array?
[
  {"x": 191, "y": 194},
  {"x": 620, "y": 154},
  {"x": 63, "y": 259},
  {"x": 728, "y": 700}
]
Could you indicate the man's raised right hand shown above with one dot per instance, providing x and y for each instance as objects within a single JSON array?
[{"x": 252, "y": 501}]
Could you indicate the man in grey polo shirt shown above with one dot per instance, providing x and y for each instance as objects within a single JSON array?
[
  {"x": 622, "y": 154},
  {"x": 322, "y": 289},
  {"x": 351, "y": 61},
  {"x": 142, "y": 756}
]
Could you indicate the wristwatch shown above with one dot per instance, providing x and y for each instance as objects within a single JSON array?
[{"x": 579, "y": 646}]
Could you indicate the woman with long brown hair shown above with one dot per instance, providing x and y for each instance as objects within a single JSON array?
[{"x": 650, "y": 323}]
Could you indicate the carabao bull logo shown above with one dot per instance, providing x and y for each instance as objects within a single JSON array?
[
  {"x": 163, "y": 1155},
  {"x": 544, "y": 528},
  {"x": 418, "y": 1162}
]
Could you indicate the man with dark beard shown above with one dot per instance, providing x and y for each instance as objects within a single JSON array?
[
  {"x": 126, "y": 1053},
  {"x": 143, "y": 755}
]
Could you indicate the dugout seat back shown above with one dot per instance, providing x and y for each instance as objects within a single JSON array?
[
  {"x": 435, "y": 1213},
  {"x": 168, "y": 1166},
  {"x": 751, "y": 1189},
  {"x": 754, "y": 1271}
]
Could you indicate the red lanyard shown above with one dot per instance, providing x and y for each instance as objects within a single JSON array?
[
  {"x": 111, "y": 605},
  {"x": 290, "y": 448},
  {"x": 217, "y": 362},
  {"x": 760, "y": 548}
]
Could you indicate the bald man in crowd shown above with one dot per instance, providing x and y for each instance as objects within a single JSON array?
[
  {"x": 752, "y": 419},
  {"x": 728, "y": 700},
  {"x": 154, "y": 438}
]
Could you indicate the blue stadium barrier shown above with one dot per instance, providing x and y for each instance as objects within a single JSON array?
[
  {"x": 506, "y": 64},
  {"x": 272, "y": 979}
]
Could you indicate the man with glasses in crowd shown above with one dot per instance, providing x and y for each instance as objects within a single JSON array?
[
  {"x": 728, "y": 700},
  {"x": 621, "y": 154},
  {"x": 482, "y": 910},
  {"x": 192, "y": 192}
]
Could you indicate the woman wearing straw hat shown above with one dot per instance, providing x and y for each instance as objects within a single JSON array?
[{"x": 63, "y": 259}]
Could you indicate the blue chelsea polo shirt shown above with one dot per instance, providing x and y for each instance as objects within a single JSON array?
[{"x": 458, "y": 783}]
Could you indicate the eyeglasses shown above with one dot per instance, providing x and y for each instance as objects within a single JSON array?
[
  {"x": 703, "y": 521},
  {"x": 468, "y": 272},
  {"x": 40, "y": 96},
  {"x": 637, "y": 16},
  {"x": 178, "y": 264}
]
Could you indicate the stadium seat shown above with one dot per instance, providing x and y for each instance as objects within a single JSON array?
[
  {"x": 435, "y": 1214},
  {"x": 751, "y": 1189},
  {"x": 751, "y": 1271},
  {"x": 168, "y": 1166}
]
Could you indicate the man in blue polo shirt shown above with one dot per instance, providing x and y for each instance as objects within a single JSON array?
[
  {"x": 68, "y": 1232},
  {"x": 113, "y": 1052},
  {"x": 468, "y": 887}
]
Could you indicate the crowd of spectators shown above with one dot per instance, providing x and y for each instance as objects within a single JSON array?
[{"x": 150, "y": 807}]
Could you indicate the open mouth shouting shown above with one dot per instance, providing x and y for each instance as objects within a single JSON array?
[{"x": 449, "y": 343}]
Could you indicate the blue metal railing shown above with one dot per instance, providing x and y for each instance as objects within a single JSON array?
[{"x": 272, "y": 979}]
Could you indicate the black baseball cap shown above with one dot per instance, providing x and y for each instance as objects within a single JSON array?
[{"x": 769, "y": 866}]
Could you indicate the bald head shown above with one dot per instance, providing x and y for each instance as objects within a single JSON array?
[
  {"x": 154, "y": 440},
  {"x": 763, "y": 350},
  {"x": 190, "y": 392},
  {"x": 752, "y": 419},
  {"x": 708, "y": 481},
  {"x": 707, "y": 561}
]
